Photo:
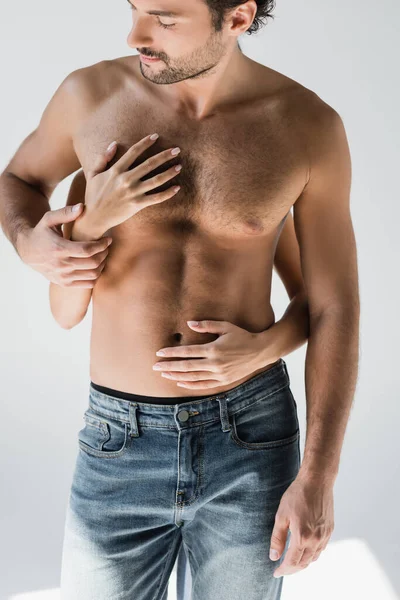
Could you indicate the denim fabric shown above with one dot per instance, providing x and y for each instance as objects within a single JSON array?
[{"x": 204, "y": 475}]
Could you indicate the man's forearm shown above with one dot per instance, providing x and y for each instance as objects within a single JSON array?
[
  {"x": 331, "y": 371},
  {"x": 287, "y": 334},
  {"x": 21, "y": 208}
]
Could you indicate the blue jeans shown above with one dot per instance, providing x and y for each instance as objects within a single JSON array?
[{"x": 203, "y": 475}]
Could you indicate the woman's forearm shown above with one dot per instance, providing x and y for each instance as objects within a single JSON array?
[
  {"x": 69, "y": 305},
  {"x": 287, "y": 334}
]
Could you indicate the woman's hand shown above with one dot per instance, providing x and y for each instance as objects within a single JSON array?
[
  {"x": 233, "y": 355},
  {"x": 115, "y": 195}
]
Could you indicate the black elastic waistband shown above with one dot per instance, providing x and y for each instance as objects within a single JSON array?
[{"x": 140, "y": 398}]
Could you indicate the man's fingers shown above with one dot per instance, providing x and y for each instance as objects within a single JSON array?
[
  {"x": 62, "y": 215},
  {"x": 132, "y": 153},
  {"x": 87, "y": 275},
  {"x": 82, "y": 278},
  {"x": 82, "y": 249},
  {"x": 317, "y": 553},
  {"x": 83, "y": 263},
  {"x": 292, "y": 558},
  {"x": 300, "y": 554},
  {"x": 306, "y": 557},
  {"x": 278, "y": 538}
]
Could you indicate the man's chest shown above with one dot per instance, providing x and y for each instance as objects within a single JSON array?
[{"x": 242, "y": 170}]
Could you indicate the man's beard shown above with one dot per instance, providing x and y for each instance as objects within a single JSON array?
[{"x": 195, "y": 66}]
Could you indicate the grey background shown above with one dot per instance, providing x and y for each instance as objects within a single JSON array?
[{"x": 348, "y": 54}]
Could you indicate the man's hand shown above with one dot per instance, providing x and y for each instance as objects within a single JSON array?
[
  {"x": 62, "y": 261},
  {"x": 306, "y": 508},
  {"x": 235, "y": 354}
]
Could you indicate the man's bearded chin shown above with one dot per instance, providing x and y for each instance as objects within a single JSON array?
[{"x": 195, "y": 66}]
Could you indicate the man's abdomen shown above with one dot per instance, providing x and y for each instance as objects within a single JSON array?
[{"x": 143, "y": 306}]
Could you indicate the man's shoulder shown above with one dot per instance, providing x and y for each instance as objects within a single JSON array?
[
  {"x": 294, "y": 96},
  {"x": 309, "y": 113},
  {"x": 319, "y": 121},
  {"x": 313, "y": 121},
  {"x": 95, "y": 81}
]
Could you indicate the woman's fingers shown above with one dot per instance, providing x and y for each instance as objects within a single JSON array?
[
  {"x": 159, "y": 196},
  {"x": 159, "y": 179},
  {"x": 152, "y": 163},
  {"x": 132, "y": 153}
]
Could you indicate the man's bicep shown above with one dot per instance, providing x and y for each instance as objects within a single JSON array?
[
  {"x": 47, "y": 154},
  {"x": 323, "y": 222}
]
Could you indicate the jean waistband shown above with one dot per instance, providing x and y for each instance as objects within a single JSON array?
[{"x": 193, "y": 412}]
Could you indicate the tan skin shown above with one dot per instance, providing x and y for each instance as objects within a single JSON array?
[
  {"x": 254, "y": 144},
  {"x": 230, "y": 249},
  {"x": 286, "y": 264}
]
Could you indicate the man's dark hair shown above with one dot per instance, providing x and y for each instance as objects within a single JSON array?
[{"x": 218, "y": 8}]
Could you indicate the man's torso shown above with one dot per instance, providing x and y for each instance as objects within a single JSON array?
[{"x": 208, "y": 252}]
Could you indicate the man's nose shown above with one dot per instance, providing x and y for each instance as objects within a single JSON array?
[{"x": 139, "y": 36}]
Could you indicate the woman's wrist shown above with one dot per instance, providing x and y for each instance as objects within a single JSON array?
[
  {"x": 86, "y": 229},
  {"x": 269, "y": 344}
]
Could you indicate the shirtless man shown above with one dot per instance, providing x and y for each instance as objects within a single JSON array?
[
  {"x": 215, "y": 463},
  {"x": 284, "y": 336}
]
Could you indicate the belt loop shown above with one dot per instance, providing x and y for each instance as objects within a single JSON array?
[
  {"x": 223, "y": 411},
  {"x": 286, "y": 369},
  {"x": 133, "y": 420}
]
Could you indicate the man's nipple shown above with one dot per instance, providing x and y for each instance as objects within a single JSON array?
[{"x": 177, "y": 337}]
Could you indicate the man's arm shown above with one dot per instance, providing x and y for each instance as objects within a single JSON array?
[
  {"x": 43, "y": 159},
  {"x": 329, "y": 265}
]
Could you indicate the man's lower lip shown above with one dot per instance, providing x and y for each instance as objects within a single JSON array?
[{"x": 148, "y": 59}]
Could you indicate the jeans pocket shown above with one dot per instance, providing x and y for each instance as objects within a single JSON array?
[
  {"x": 268, "y": 422},
  {"x": 103, "y": 436}
]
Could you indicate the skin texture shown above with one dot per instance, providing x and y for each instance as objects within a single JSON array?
[
  {"x": 254, "y": 144},
  {"x": 280, "y": 339},
  {"x": 223, "y": 233}
]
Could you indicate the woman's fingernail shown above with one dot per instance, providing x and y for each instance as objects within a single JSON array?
[
  {"x": 154, "y": 136},
  {"x": 111, "y": 146}
]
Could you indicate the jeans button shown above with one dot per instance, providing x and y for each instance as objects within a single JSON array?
[{"x": 183, "y": 415}]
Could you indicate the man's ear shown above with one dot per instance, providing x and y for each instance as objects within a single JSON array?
[{"x": 242, "y": 18}]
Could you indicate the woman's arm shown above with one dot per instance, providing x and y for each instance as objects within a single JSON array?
[
  {"x": 292, "y": 330},
  {"x": 69, "y": 304}
]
